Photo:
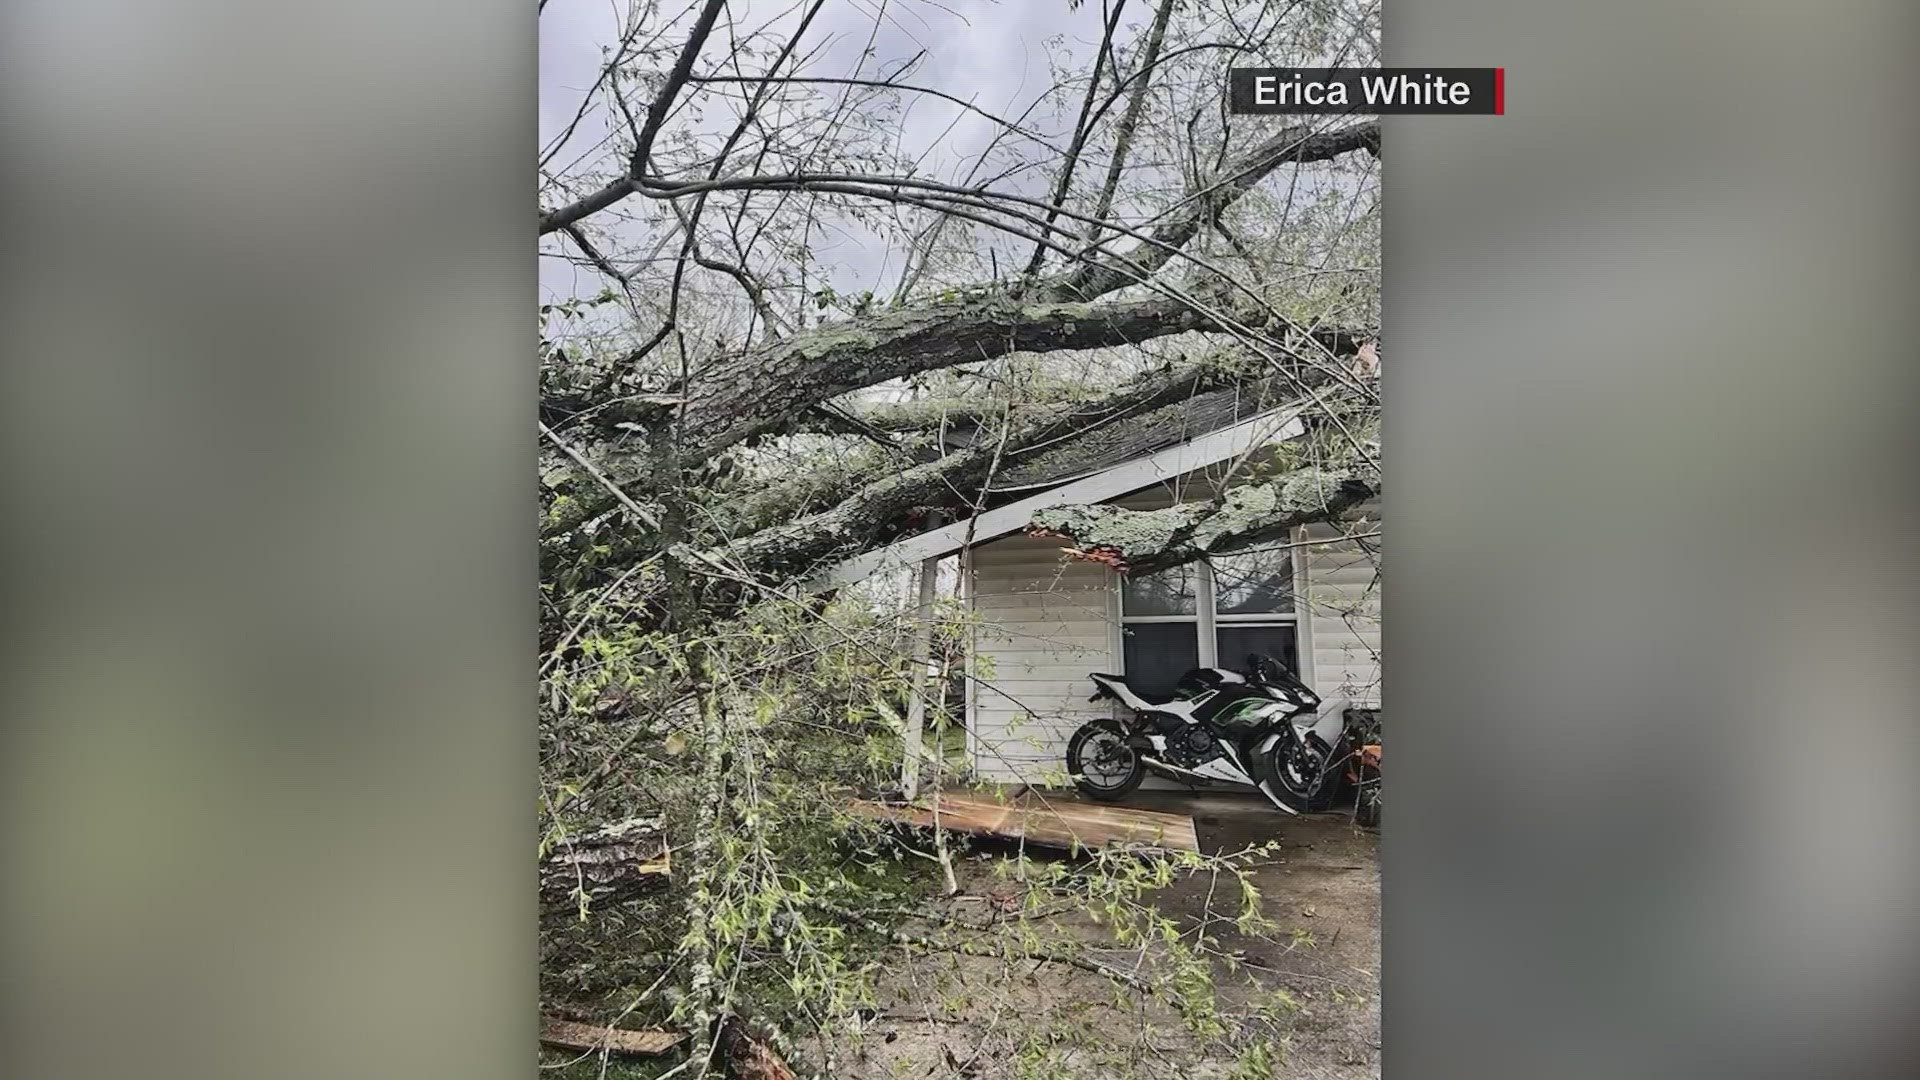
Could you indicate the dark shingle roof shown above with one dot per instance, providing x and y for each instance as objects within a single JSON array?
[{"x": 1133, "y": 437}]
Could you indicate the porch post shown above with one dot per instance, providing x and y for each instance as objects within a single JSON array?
[{"x": 922, "y": 669}]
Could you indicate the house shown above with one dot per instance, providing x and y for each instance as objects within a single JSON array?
[{"x": 1040, "y": 619}]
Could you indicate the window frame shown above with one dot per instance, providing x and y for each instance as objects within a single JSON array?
[{"x": 1207, "y": 620}]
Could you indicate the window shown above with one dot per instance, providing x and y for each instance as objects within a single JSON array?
[
  {"x": 1207, "y": 613},
  {"x": 1160, "y": 620},
  {"x": 1253, "y": 607}
]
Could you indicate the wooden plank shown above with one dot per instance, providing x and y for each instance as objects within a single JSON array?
[
  {"x": 1057, "y": 823},
  {"x": 592, "y": 1037}
]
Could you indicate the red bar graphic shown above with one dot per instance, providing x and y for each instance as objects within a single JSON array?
[{"x": 1499, "y": 91}]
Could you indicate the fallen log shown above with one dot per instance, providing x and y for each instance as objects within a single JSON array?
[{"x": 620, "y": 860}]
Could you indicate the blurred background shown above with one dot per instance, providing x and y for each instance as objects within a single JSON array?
[{"x": 1652, "y": 430}]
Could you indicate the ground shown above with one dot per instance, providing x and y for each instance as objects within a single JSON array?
[
  {"x": 1327, "y": 884},
  {"x": 945, "y": 1015},
  {"x": 1323, "y": 889}
]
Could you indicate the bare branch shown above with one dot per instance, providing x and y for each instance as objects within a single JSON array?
[
  {"x": 657, "y": 112},
  {"x": 1081, "y": 130},
  {"x": 880, "y": 84},
  {"x": 1130, "y": 120},
  {"x": 1295, "y": 145}
]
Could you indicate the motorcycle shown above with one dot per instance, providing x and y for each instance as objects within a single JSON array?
[{"x": 1261, "y": 727}]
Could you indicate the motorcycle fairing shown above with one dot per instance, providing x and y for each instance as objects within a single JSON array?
[
  {"x": 1117, "y": 686},
  {"x": 1255, "y": 720},
  {"x": 1181, "y": 709}
]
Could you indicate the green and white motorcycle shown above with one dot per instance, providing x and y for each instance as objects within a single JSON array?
[{"x": 1261, "y": 727}]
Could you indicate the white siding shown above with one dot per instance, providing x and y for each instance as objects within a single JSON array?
[
  {"x": 1041, "y": 623},
  {"x": 1343, "y": 596}
]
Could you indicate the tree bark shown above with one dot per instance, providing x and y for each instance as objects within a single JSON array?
[{"x": 616, "y": 862}]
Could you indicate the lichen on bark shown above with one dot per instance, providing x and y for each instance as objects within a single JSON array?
[
  {"x": 1152, "y": 539},
  {"x": 1131, "y": 532}
]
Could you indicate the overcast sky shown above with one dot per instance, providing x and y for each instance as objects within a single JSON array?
[{"x": 991, "y": 52}]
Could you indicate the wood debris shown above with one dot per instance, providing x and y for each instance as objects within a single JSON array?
[
  {"x": 1055, "y": 823},
  {"x": 621, "y": 859},
  {"x": 569, "y": 1035}
]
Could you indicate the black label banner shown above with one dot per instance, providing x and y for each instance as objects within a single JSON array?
[{"x": 1375, "y": 91}]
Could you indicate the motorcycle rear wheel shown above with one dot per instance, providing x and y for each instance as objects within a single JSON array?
[{"x": 1102, "y": 762}]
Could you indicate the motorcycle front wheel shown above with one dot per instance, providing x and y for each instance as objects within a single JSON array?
[
  {"x": 1101, "y": 761},
  {"x": 1303, "y": 781}
]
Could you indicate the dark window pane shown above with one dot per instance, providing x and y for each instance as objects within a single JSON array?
[
  {"x": 1169, "y": 592},
  {"x": 1253, "y": 582},
  {"x": 1157, "y": 654},
  {"x": 1275, "y": 641}
]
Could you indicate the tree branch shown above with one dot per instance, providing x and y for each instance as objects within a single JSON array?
[
  {"x": 775, "y": 387},
  {"x": 1081, "y": 130},
  {"x": 657, "y": 111},
  {"x": 1298, "y": 145},
  {"x": 1123, "y": 136},
  {"x": 766, "y": 388},
  {"x": 763, "y": 390},
  {"x": 891, "y": 507},
  {"x": 1145, "y": 540}
]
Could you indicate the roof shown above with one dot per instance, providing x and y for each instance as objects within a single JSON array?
[{"x": 1135, "y": 437}]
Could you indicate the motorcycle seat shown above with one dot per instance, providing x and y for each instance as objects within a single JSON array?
[{"x": 1151, "y": 699}]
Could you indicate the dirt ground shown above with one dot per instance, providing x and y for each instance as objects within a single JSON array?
[
  {"x": 944, "y": 1015},
  {"x": 1327, "y": 883},
  {"x": 1323, "y": 890}
]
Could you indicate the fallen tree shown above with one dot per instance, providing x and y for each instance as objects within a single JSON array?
[{"x": 768, "y": 389}]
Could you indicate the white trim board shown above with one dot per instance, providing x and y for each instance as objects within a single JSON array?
[{"x": 1121, "y": 479}]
